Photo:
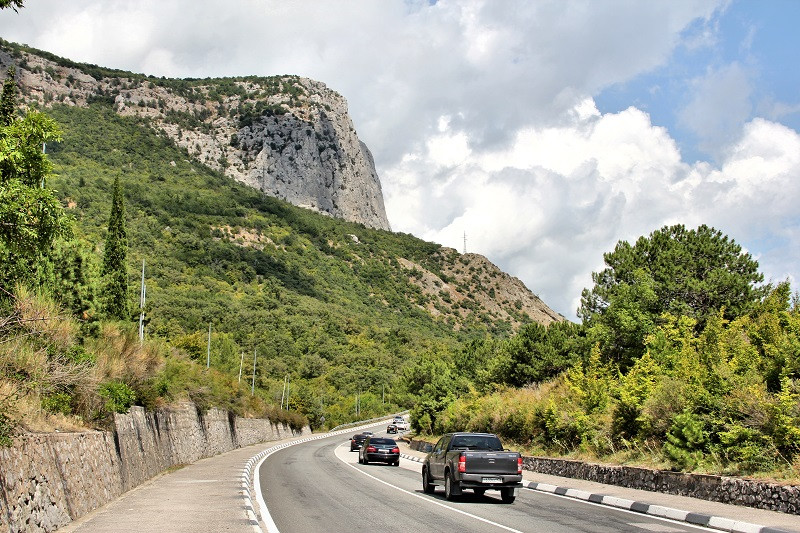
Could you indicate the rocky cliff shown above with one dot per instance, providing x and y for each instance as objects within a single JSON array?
[{"x": 288, "y": 136}]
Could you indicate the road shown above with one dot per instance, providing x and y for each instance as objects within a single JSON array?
[{"x": 319, "y": 486}]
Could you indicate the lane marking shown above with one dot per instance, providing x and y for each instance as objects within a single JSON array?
[
  {"x": 622, "y": 510},
  {"x": 425, "y": 498},
  {"x": 254, "y": 475}
]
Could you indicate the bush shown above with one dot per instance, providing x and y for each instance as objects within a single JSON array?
[
  {"x": 58, "y": 403},
  {"x": 118, "y": 396},
  {"x": 686, "y": 441}
]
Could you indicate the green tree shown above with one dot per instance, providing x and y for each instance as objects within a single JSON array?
[
  {"x": 692, "y": 273},
  {"x": 8, "y": 102},
  {"x": 13, "y": 4},
  {"x": 30, "y": 215},
  {"x": 115, "y": 271}
]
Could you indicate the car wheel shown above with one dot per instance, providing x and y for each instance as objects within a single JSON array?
[
  {"x": 507, "y": 495},
  {"x": 397, "y": 463},
  {"x": 448, "y": 486},
  {"x": 427, "y": 486},
  {"x": 366, "y": 461}
]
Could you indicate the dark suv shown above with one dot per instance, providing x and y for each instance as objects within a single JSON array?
[{"x": 380, "y": 449}]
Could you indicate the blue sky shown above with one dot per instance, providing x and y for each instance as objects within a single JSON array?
[
  {"x": 759, "y": 38},
  {"x": 546, "y": 130}
]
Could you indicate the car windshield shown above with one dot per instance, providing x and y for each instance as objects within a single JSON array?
[
  {"x": 477, "y": 442},
  {"x": 383, "y": 442}
]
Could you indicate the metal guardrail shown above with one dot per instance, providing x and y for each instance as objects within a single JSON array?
[{"x": 362, "y": 422}]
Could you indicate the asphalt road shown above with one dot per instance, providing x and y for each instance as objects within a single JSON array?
[{"x": 319, "y": 486}]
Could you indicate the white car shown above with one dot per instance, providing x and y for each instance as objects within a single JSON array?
[{"x": 401, "y": 423}]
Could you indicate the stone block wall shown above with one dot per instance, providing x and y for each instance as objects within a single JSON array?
[
  {"x": 736, "y": 491},
  {"x": 48, "y": 480}
]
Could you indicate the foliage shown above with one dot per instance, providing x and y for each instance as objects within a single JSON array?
[
  {"x": 115, "y": 272},
  {"x": 692, "y": 273},
  {"x": 686, "y": 441},
  {"x": 701, "y": 399},
  {"x": 13, "y": 4},
  {"x": 30, "y": 215},
  {"x": 117, "y": 395}
]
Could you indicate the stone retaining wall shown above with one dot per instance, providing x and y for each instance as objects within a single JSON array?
[
  {"x": 48, "y": 480},
  {"x": 736, "y": 491}
]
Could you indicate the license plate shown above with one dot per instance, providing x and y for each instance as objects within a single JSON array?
[{"x": 491, "y": 480}]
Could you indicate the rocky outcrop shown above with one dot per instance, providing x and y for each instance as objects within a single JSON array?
[
  {"x": 468, "y": 285},
  {"x": 288, "y": 136}
]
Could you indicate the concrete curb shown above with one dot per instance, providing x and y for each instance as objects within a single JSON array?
[{"x": 714, "y": 522}]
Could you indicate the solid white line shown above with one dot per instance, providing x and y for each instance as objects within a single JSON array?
[
  {"x": 427, "y": 499},
  {"x": 265, "y": 516},
  {"x": 621, "y": 510}
]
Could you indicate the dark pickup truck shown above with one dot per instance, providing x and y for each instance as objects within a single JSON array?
[{"x": 474, "y": 461}]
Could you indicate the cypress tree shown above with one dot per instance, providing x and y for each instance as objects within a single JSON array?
[
  {"x": 8, "y": 102},
  {"x": 115, "y": 271}
]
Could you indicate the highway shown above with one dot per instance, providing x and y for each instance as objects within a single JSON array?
[{"x": 319, "y": 486}]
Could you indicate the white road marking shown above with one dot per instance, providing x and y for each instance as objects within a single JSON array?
[
  {"x": 620, "y": 509},
  {"x": 425, "y": 498}
]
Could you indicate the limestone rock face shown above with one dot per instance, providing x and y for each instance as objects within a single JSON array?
[
  {"x": 315, "y": 160},
  {"x": 288, "y": 136}
]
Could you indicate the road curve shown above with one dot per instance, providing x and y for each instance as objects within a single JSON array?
[{"x": 319, "y": 486}]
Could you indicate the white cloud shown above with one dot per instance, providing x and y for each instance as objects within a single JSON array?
[
  {"x": 480, "y": 115},
  {"x": 551, "y": 204}
]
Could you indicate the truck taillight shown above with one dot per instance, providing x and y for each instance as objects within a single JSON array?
[
  {"x": 462, "y": 463},
  {"x": 519, "y": 465}
]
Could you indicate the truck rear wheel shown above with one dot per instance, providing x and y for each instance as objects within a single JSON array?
[
  {"x": 507, "y": 495},
  {"x": 449, "y": 486},
  {"x": 427, "y": 486}
]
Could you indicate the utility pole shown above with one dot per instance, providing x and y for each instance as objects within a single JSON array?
[
  {"x": 142, "y": 298},
  {"x": 253, "y": 386},
  {"x": 283, "y": 389},
  {"x": 465, "y": 243},
  {"x": 208, "y": 351},
  {"x": 241, "y": 363}
]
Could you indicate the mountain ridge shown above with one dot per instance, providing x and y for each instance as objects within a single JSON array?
[{"x": 288, "y": 136}]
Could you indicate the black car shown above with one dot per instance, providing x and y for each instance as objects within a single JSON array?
[
  {"x": 391, "y": 428},
  {"x": 357, "y": 440},
  {"x": 380, "y": 449}
]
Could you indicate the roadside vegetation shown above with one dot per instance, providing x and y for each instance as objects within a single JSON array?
[{"x": 683, "y": 360}]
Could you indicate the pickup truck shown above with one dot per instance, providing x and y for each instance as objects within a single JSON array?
[{"x": 475, "y": 461}]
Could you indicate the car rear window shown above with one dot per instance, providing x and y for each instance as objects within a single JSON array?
[
  {"x": 383, "y": 441},
  {"x": 477, "y": 442}
]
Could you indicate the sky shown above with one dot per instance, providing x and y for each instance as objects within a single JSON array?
[{"x": 544, "y": 131}]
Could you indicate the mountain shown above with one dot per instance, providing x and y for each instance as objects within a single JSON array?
[
  {"x": 287, "y": 136},
  {"x": 338, "y": 306}
]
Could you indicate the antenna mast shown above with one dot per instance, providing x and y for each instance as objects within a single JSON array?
[{"x": 465, "y": 243}]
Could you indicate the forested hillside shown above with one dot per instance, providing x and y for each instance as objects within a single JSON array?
[{"x": 332, "y": 307}]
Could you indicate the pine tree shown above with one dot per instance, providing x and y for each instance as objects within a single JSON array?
[{"x": 115, "y": 271}]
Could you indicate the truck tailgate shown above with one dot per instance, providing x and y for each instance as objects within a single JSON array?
[{"x": 497, "y": 463}]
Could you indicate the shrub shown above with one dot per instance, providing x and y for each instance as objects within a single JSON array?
[
  {"x": 57, "y": 403},
  {"x": 118, "y": 396},
  {"x": 686, "y": 441}
]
